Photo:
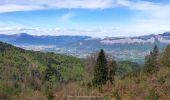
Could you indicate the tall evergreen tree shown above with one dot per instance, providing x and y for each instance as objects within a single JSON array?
[
  {"x": 155, "y": 53},
  {"x": 151, "y": 61},
  {"x": 100, "y": 70}
]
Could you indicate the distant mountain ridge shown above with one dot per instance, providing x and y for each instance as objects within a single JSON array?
[
  {"x": 123, "y": 48},
  {"x": 27, "y": 39},
  {"x": 162, "y": 38},
  {"x": 24, "y": 38}
]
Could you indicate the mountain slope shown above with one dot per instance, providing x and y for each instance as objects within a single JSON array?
[
  {"x": 139, "y": 86},
  {"x": 23, "y": 71}
]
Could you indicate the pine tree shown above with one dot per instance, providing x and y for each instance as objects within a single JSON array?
[
  {"x": 155, "y": 53},
  {"x": 100, "y": 70},
  {"x": 151, "y": 61}
]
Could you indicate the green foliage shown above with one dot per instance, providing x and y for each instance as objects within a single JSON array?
[
  {"x": 36, "y": 70},
  {"x": 50, "y": 96},
  {"x": 166, "y": 57},
  {"x": 153, "y": 95},
  {"x": 100, "y": 70},
  {"x": 151, "y": 62},
  {"x": 9, "y": 88},
  {"x": 126, "y": 67},
  {"x": 161, "y": 80},
  {"x": 107, "y": 98}
]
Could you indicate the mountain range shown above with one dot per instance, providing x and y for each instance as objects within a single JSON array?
[{"x": 122, "y": 48}]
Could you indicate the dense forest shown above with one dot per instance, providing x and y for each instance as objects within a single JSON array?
[
  {"x": 33, "y": 75},
  {"x": 24, "y": 72}
]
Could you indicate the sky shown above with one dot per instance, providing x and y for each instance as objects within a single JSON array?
[{"x": 97, "y": 18}]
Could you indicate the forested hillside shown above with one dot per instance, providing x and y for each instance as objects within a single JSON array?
[
  {"x": 150, "y": 81},
  {"x": 30, "y": 75},
  {"x": 22, "y": 72}
]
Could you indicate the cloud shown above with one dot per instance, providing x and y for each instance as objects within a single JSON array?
[
  {"x": 27, "y": 5},
  {"x": 159, "y": 10},
  {"x": 139, "y": 5},
  {"x": 152, "y": 9},
  {"x": 14, "y": 7},
  {"x": 88, "y": 4},
  {"x": 148, "y": 7},
  {"x": 66, "y": 17},
  {"x": 151, "y": 17},
  {"x": 135, "y": 29}
]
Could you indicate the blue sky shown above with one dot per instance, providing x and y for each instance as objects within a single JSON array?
[{"x": 98, "y": 18}]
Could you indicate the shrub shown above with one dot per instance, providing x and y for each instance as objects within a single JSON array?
[
  {"x": 89, "y": 85},
  {"x": 50, "y": 96},
  {"x": 153, "y": 95},
  {"x": 116, "y": 95},
  {"x": 162, "y": 80}
]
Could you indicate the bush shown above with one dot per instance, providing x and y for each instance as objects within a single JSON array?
[
  {"x": 162, "y": 80},
  {"x": 50, "y": 96},
  {"x": 153, "y": 95},
  {"x": 107, "y": 98},
  {"x": 9, "y": 89},
  {"x": 116, "y": 95},
  {"x": 89, "y": 85},
  {"x": 137, "y": 81}
]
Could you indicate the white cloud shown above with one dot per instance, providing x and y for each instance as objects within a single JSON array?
[
  {"x": 159, "y": 10},
  {"x": 66, "y": 17},
  {"x": 131, "y": 30},
  {"x": 122, "y": 2},
  {"x": 149, "y": 8},
  {"x": 27, "y": 5},
  {"x": 14, "y": 7},
  {"x": 89, "y": 4},
  {"x": 152, "y": 18},
  {"x": 22, "y": 5},
  {"x": 155, "y": 17},
  {"x": 139, "y": 5}
]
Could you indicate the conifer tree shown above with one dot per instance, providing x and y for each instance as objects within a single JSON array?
[
  {"x": 155, "y": 53},
  {"x": 100, "y": 70},
  {"x": 151, "y": 61}
]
